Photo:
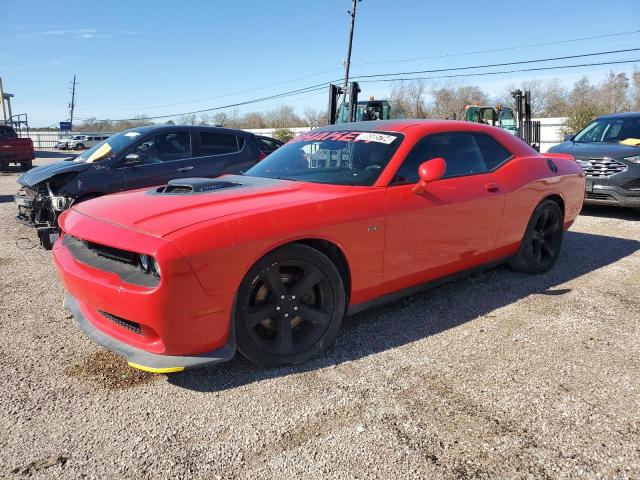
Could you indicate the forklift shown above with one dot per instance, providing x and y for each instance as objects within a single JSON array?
[
  {"x": 499, "y": 116},
  {"x": 518, "y": 123},
  {"x": 355, "y": 111}
]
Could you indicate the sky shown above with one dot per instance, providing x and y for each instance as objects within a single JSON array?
[{"x": 166, "y": 57}]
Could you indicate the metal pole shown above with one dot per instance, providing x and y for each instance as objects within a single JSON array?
[
  {"x": 347, "y": 64},
  {"x": 4, "y": 111},
  {"x": 73, "y": 101}
]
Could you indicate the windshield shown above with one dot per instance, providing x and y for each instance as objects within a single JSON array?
[
  {"x": 338, "y": 158},
  {"x": 507, "y": 119},
  {"x": 610, "y": 130},
  {"x": 108, "y": 148}
]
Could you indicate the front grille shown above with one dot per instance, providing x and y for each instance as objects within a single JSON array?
[
  {"x": 121, "y": 262},
  {"x": 116, "y": 254},
  {"x": 128, "y": 324},
  {"x": 600, "y": 196},
  {"x": 601, "y": 167}
]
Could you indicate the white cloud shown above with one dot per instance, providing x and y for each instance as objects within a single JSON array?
[{"x": 82, "y": 33}]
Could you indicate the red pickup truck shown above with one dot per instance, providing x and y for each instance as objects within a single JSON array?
[{"x": 14, "y": 149}]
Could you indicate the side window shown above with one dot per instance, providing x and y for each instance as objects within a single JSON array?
[
  {"x": 459, "y": 150},
  {"x": 267, "y": 146},
  {"x": 493, "y": 153},
  {"x": 214, "y": 143},
  {"x": 165, "y": 147}
]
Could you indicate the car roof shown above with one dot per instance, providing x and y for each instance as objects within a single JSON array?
[
  {"x": 163, "y": 128},
  {"x": 621, "y": 115},
  {"x": 395, "y": 125}
]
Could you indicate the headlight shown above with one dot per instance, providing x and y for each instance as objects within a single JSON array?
[
  {"x": 156, "y": 266},
  {"x": 144, "y": 263},
  {"x": 634, "y": 159}
]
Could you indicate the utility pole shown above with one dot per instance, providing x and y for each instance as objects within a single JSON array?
[
  {"x": 72, "y": 105},
  {"x": 347, "y": 62}
]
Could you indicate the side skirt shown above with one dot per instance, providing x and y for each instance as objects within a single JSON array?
[{"x": 393, "y": 296}]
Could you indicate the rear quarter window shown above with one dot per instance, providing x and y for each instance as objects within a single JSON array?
[
  {"x": 213, "y": 143},
  {"x": 493, "y": 152}
]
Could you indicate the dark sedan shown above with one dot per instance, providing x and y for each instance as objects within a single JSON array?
[
  {"x": 135, "y": 158},
  {"x": 609, "y": 152}
]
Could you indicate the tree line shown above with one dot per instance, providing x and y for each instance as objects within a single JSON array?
[{"x": 581, "y": 103}]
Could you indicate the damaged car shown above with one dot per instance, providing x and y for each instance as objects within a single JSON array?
[{"x": 135, "y": 158}]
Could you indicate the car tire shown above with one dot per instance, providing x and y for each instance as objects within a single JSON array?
[
  {"x": 80, "y": 146},
  {"x": 289, "y": 306},
  {"x": 542, "y": 241},
  {"x": 26, "y": 165}
]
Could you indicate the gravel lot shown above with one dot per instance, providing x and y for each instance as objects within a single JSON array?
[{"x": 500, "y": 375}]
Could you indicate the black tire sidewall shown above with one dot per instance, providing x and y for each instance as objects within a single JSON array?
[
  {"x": 524, "y": 260},
  {"x": 247, "y": 347}
]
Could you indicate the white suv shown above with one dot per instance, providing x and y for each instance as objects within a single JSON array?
[{"x": 80, "y": 142}]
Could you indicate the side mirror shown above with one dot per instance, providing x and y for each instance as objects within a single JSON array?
[
  {"x": 132, "y": 159},
  {"x": 430, "y": 171},
  {"x": 568, "y": 137}
]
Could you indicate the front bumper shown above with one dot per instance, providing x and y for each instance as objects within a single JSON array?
[
  {"x": 171, "y": 324},
  {"x": 142, "y": 359},
  {"x": 608, "y": 194}
]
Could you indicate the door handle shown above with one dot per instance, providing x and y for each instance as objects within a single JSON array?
[
  {"x": 184, "y": 169},
  {"x": 491, "y": 187}
]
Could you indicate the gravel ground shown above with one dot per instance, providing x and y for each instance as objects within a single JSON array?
[{"x": 500, "y": 375}]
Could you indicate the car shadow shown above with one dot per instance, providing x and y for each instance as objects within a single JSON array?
[
  {"x": 427, "y": 313},
  {"x": 607, "y": 211}
]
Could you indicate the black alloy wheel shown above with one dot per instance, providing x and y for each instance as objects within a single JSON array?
[
  {"x": 542, "y": 241},
  {"x": 289, "y": 306}
]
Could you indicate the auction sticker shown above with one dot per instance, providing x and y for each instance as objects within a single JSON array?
[{"x": 375, "y": 137}]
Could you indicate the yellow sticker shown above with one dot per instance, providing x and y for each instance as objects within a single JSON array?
[
  {"x": 99, "y": 153},
  {"x": 634, "y": 142}
]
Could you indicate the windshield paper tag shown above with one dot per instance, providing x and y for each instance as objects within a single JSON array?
[
  {"x": 375, "y": 137},
  {"x": 342, "y": 136}
]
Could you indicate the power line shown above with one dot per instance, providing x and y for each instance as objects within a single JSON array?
[
  {"x": 217, "y": 96},
  {"x": 367, "y": 79},
  {"x": 313, "y": 88},
  {"x": 495, "y": 50},
  {"x": 490, "y": 65},
  {"x": 311, "y": 75},
  {"x": 479, "y": 74}
]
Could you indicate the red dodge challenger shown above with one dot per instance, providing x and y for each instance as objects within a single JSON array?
[{"x": 337, "y": 220}]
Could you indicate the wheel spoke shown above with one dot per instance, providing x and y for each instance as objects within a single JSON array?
[
  {"x": 542, "y": 222},
  {"x": 255, "y": 315},
  {"x": 285, "y": 340},
  {"x": 314, "y": 316},
  {"x": 537, "y": 250},
  {"x": 549, "y": 249},
  {"x": 307, "y": 282},
  {"x": 273, "y": 280},
  {"x": 552, "y": 228}
]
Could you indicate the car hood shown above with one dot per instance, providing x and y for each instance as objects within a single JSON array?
[
  {"x": 159, "y": 214},
  {"x": 45, "y": 172},
  {"x": 596, "y": 150}
]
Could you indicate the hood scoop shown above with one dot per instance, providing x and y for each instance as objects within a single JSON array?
[{"x": 187, "y": 186}]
